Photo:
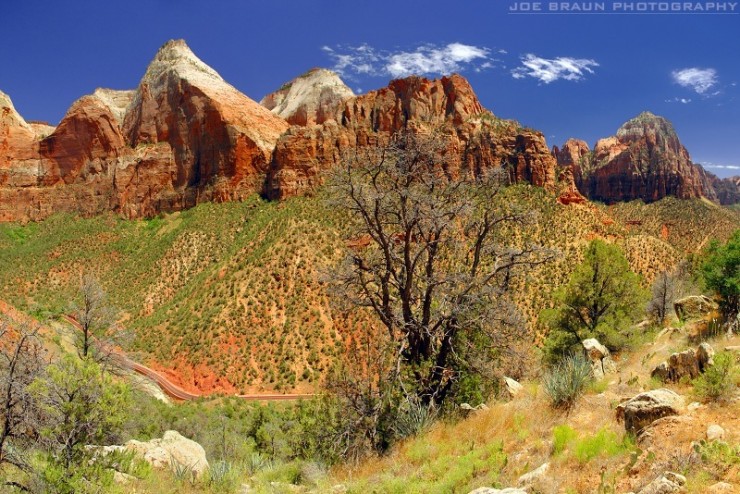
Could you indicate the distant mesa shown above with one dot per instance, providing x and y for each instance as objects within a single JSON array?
[{"x": 644, "y": 160}]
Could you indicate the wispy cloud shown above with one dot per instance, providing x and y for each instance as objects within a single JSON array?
[
  {"x": 720, "y": 167},
  {"x": 679, "y": 100},
  {"x": 426, "y": 59},
  {"x": 550, "y": 70},
  {"x": 696, "y": 79}
]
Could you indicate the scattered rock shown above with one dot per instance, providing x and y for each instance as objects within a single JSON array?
[
  {"x": 668, "y": 333},
  {"x": 694, "y": 406},
  {"x": 172, "y": 449},
  {"x": 644, "y": 408},
  {"x": 689, "y": 363},
  {"x": 122, "y": 478},
  {"x": 470, "y": 408},
  {"x": 694, "y": 307},
  {"x": 600, "y": 358},
  {"x": 535, "y": 476},
  {"x": 705, "y": 356},
  {"x": 512, "y": 386},
  {"x": 667, "y": 483},
  {"x": 721, "y": 487},
  {"x": 715, "y": 433}
]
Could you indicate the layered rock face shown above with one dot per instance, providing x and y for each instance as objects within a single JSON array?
[
  {"x": 644, "y": 160},
  {"x": 474, "y": 138},
  {"x": 183, "y": 137},
  {"x": 309, "y": 99}
]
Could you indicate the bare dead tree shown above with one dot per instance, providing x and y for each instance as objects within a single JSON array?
[
  {"x": 22, "y": 360},
  {"x": 665, "y": 291},
  {"x": 99, "y": 335},
  {"x": 430, "y": 256}
]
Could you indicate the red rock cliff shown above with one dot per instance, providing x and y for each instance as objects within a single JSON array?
[
  {"x": 645, "y": 160},
  {"x": 475, "y": 138}
]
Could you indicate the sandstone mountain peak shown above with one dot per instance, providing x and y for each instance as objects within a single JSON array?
[
  {"x": 311, "y": 98},
  {"x": 644, "y": 160},
  {"x": 176, "y": 56},
  {"x": 647, "y": 123}
]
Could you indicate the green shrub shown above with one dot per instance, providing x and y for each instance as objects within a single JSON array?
[
  {"x": 412, "y": 418},
  {"x": 222, "y": 476},
  {"x": 562, "y": 435},
  {"x": 603, "y": 443},
  {"x": 718, "y": 380},
  {"x": 565, "y": 382}
]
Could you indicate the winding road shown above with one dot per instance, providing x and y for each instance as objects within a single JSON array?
[{"x": 176, "y": 392}]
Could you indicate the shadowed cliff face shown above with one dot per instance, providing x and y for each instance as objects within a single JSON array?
[
  {"x": 644, "y": 160},
  {"x": 474, "y": 137},
  {"x": 727, "y": 189}
]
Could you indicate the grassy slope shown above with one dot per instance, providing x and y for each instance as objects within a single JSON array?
[
  {"x": 229, "y": 296},
  {"x": 588, "y": 451}
]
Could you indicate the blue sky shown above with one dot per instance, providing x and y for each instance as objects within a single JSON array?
[{"x": 568, "y": 75}]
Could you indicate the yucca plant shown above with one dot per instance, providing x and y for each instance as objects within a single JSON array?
[{"x": 567, "y": 380}]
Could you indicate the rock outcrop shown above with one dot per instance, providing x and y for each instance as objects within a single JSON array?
[
  {"x": 694, "y": 307},
  {"x": 644, "y": 160},
  {"x": 185, "y": 136},
  {"x": 474, "y": 139},
  {"x": 172, "y": 450},
  {"x": 599, "y": 357},
  {"x": 214, "y": 142},
  {"x": 727, "y": 189},
  {"x": 667, "y": 483},
  {"x": 645, "y": 408},
  {"x": 309, "y": 99},
  {"x": 689, "y": 363}
]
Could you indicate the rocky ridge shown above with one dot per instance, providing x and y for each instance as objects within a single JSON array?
[{"x": 186, "y": 136}]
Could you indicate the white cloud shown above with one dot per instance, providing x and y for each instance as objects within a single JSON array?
[
  {"x": 426, "y": 59},
  {"x": 721, "y": 167},
  {"x": 699, "y": 80},
  {"x": 679, "y": 100},
  {"x": 550, "y": 70}
]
